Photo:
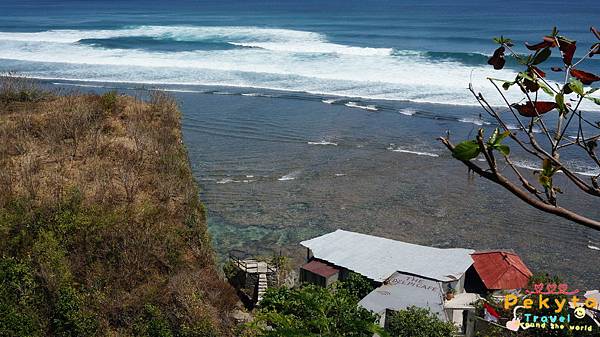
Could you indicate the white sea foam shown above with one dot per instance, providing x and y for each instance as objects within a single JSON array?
[
  {"x": 593, "y": 247},
  {"x": 535, "y": 129},
  {"x": 476, "y": 121},
  {"x": 323, "y": 142},
  {"x": 394, "y": 148},
  {"x": 407, "y": 111},
  {"x": 419, "y": 153},
  {"x": 283, "y": 59},
  {"x": 316, "y": 46},
  {"x": 364, "y": 107},
  {"x": 290, "y": 176},
  {"x": 225, "y": 181},
  {"x": 330, "y": 101},
  {"x": 80, "y": 85}
]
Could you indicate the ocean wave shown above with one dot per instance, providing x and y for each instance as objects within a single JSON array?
[
  {"x": 290, "y": 176},
  {"x": 225, "y": 181},
  {"x": 394, "y": 148},
  {"x": 319, "y": 47},
  {"x": 285, "y": 61},
  {"x": 407, "y": 111},
  {"x": 535, "y": 129},
  {"x": 323, "y": 142},
  {"x": 231, "y": 180},
  {"x": 359, "y": 106},
  {"x": 476, "y": 121}
]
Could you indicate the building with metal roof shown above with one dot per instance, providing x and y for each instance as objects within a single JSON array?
[{"x": 378, "y": 258}]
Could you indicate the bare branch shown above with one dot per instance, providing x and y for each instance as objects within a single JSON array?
[{"x": 524, "y": 195}]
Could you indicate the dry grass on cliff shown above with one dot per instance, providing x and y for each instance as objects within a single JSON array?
[{"x": 136, "y": 234}]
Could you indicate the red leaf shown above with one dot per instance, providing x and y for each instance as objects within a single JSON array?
[
  {"x": 551, "y": 40},
  {"x": 567, "y": 47},
  {"x": 538, "y": 72},
  {"x": 529, "y": 110},
  {"x": 539, "y": 46},
  {"x": 595, "y": 50},
  {"x": 585, "y": 77},
  {"x": 595, "y": 32},
  {"x": 497, "y": 60}
]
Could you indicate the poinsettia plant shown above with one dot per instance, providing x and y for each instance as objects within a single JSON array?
[{"x": 549, "y": 120}]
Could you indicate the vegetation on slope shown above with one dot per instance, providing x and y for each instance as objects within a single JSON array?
[{"x": 102, "y": 229}]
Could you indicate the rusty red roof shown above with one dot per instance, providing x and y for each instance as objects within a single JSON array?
[
  {"x": 501, "y": 270},
  {"x": 320, "y": 268}
]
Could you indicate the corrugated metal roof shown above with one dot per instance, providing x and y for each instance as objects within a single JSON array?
[
  {"x": 402, "y": 291},
  {"x": 320, "y": 268},
  {"x": 501, "y": 270},
  {"x": 377, "y": 258}
]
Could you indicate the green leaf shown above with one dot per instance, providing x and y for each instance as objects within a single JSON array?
[
  {"x": 503, "y": 40},
  {"x": 503, "y": 148},
  {"x": 493, "y": 137},
  {"x": 576, "y": 86},
  {"x": 545, "y": 88},
  {"x": 594, "y": 99},
  {"x": 497, "y": 137},
  {"x": 525, "y": 76},
  {"x": 466, "y": 150},
  {"x": 502, "y": 136},
  {"x": 591, "y": 91},
  {"x": 541, "y": 55},
  {"x": 560, "y": 101}
]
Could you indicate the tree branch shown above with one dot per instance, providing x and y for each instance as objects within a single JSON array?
[{"x": 525, "y": 196}]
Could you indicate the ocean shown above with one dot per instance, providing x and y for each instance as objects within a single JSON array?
[{"x": 301, "y": 117}]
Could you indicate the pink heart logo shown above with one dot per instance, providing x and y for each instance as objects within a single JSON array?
[
  {"x": 538, "y": 288},
  {"x": 551, "y": 287},
  {"x": 562, "y": 288},
  {"x": 513, "y": 325}
]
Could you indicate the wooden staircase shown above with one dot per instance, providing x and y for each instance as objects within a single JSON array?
[{"x": 261, "y": 287}]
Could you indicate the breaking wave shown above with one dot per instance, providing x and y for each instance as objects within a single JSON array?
[{"x": 266, "y": 58}]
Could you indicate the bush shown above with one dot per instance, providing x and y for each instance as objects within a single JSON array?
[
  {"x": 312, "y": 311},
  {"x": 108, "y": 101},
  {"x": 418, "y": 322},
  {"x": 152, "y": 323},
  {"x": 70, "y": 319},
  {"x": 19, "y": 300},
  {"x": 20, "y": 89},
  {"x": 357, "y": 285}
]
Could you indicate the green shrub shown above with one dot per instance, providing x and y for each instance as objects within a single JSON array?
[
  {"x": 357, "y": 285},
  {"x": 152, "y": 323},
  {"x": 19, "y": 300},
  {"x": 418, "y": 322},
  {"x": 108, "y": 101},
  {"x": 312, "y": 311},
  {"x": 70, "y": 319},
  {"x": 199, "y": 329}
]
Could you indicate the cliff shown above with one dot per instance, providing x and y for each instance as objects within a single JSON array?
[{"x": 102, "y": 229}]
